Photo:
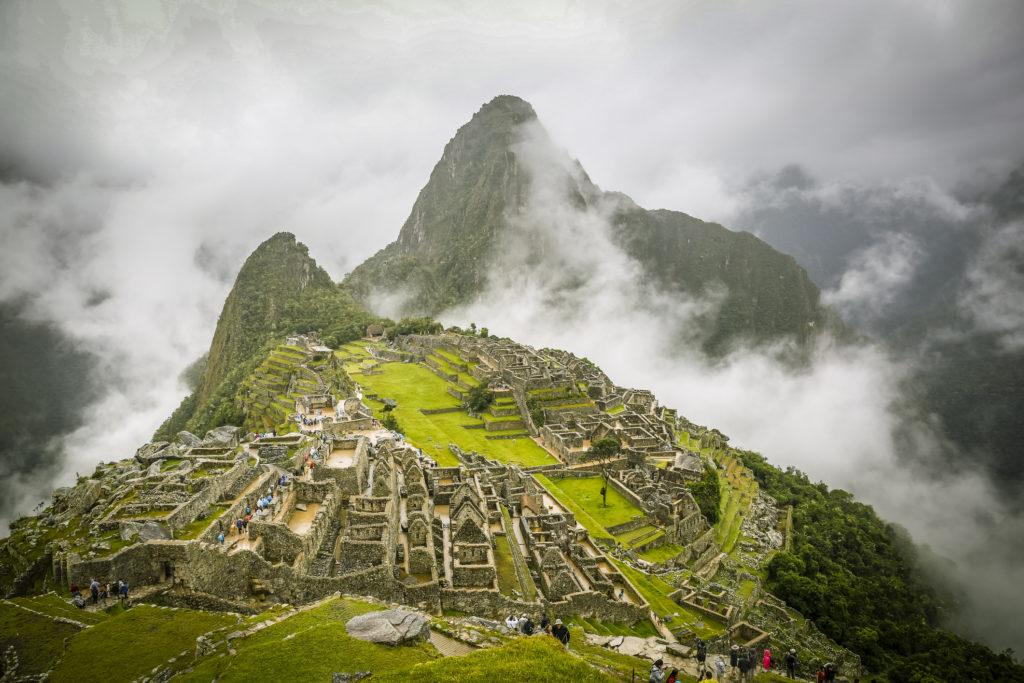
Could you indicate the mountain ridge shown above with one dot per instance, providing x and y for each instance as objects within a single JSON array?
[{"x": 501, "y": 168}]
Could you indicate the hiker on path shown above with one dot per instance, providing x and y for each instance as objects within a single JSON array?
[
  {"x": 526, "y": 625},
  {"x": 830, "y": 672},
  {"x": 657, "y": 672},
  {"x": 94, "y": 588},
  {"x": 673, "y": 677},
  {"x": 767, "y": 661},
  {"x": 104, "y": 592},
  {"x": 734, "y": 658},
  {"x": 512, "y": 623},
  {"x": 124, "y": 591},
  {"x": 561, "y": 633},
  {"x": 702, "y": 654},
  {"x": 220, "y": 537},
  {"x": 720, "y": 668},
  {"x": 545, "y": 623},
  {"x": 791, "y": 663}
]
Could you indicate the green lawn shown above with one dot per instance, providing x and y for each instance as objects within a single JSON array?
[
  {"x": 662, "y": 554},
  {"x": 38, "y": 640},
  {"x": 309, "y": 647},
  {"x": 56, "y": 606},
  {"x": 196, "y": 527},
  {"x": 131, "y": 643},
  {"x": 534, "y": 658},
  {"x": 507, "y": 581},
  {"x": 629, "y": 537},
  {"x": 586, "y": 493},
  {"x": 414, "y": 387},
  {"x": 595, "y": 528}
]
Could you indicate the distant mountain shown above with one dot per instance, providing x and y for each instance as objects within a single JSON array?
[
  {"x": 279, "y": 290},
  {"x": 501, "y": 175}
]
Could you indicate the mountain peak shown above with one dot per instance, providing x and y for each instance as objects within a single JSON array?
[{"x": 508, "y": 105}]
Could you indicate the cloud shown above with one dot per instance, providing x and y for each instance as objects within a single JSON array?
[
  {"x": 995, "y": 285},
  {"x": 875, "y": 277}
]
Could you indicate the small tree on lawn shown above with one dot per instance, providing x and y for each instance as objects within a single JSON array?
[{"x": 479, "y": 397}]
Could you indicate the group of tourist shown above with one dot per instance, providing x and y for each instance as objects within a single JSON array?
[
  {"x": 524, "y": 625},
  {"x": 99, "y": 592},
  {"x": 241, "y": 525},
  {"x": 742, "y": 666},
  {"x": 312, "y": 420}
]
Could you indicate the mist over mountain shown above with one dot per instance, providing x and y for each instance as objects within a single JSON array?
[
  {"x": 497, "y": 199},
  {"x": 934, "y": 274}
]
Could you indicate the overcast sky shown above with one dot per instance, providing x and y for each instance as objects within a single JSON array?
[{"x": 147, "y": 147}]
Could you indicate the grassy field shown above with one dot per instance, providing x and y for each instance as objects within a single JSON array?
[
  {"x": 738, "y": 491},
  {"x": 38, "y": 640},
  {"x": 155, "y": 635},
  {"x": 586, "y": 493},
  {"x": 414, "y": 387},
  {"x": 309, "y": 646},
  {"x": 595, "y": 528},
  {"x": 662, "y": 554},
  {"x": 507, "y": 581},
  {"x": 536, "y": 658}
]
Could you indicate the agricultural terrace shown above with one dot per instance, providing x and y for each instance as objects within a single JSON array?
[{"x": 414, "y": 387}]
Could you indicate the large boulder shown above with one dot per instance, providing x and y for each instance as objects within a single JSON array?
[
  {"x": 83, "y": 496},
  {"x": 158, "y": 450},
  {"x": 154, "y": 531},
  {"x": 632, "y": 646},
  {"x": 129, "y": 529},
  {"x": 189, "y": 440},
  {"x": 221, "y": 437},
  {"x": 390, "y": 627}
]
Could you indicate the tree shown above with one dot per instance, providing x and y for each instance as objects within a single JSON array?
[
  {"x": 389, "y": 421},
  {"x": 484, "y": 332},
  {"x": 479, "y": 397},
  {"x": 605, "y": 448}
]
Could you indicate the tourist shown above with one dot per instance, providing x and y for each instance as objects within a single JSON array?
[
  {"x": 734, "y": 657},
  {"x": 512, "y": 623},
  {"x": 545, "y": 623},
  {"x": 622, "y": 592},
  {"x": 673, "y": 676},
  {"x": 830, "y": 672},
  {"x": 220, "y": 537},
  {"x": 94, "y": 588},
  {"x": 104, "y": 592},
  {"x": 767, "y": 661},
  {"x": 720, "y": 667},
  {"x": 561, "y": 633},
  {"x": 124, "y": 592},
  {"x": 820, "y": 676},
  {"x": 702, "y": 654},
  {"x": 657, "y": 672},
  {"x": 75, "y": 591},
  {"x": 744, "y": 664},
  {"x": 791, "y": 663},
  {"x": 245, "y": 523},
  {"x": 239, "y": 524}
]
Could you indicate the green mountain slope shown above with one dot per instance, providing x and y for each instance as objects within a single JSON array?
[
  {"x": 486, "y": 188},
  {"x": 279, "y": 290}
]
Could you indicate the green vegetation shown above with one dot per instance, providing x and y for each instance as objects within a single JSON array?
[
  {"x": 479, "y": 398},
  {"x": 655, "y": 591},
  {"x": 415, "y": 326},
  {"x": 102, "y": 653},
  {"x": 535, "y": 658},
  {"x": 641, "y": 629},
  {"x": 37, "y": 639},
  {"x": 595, "y": 528},
  {"x": 414, "y": 387},
  {"x": 196, "y": 527},
  {"x": 507, "y": 581},
  {"x": 605, "y": 448},
  {"x": 310, "y": 646},
  {"x": 662, "y": 554},
  {"x": 640, "y": 535},
  {"x": 707, "y": 493},
  {"x": 586, "y": 493},
  {"x": 857, "y": 578}
]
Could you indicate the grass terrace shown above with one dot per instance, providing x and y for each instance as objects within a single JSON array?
[
  {"x": 507, "y": 581},
  {"x": 311, "y": 646},
  {"x": 655, "y": 591},
  {"x": 414, "y": 387},
  {"x": 595, "y": 528},
  {"x": 99, "y": 655},
  {"x": 39, "y": 640},
  {"x": 586, "y": 493},
  {"x": 196, "y": 527},
  {"x": 662, "y": 554},
  {"x": 639, "y": 536}
]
